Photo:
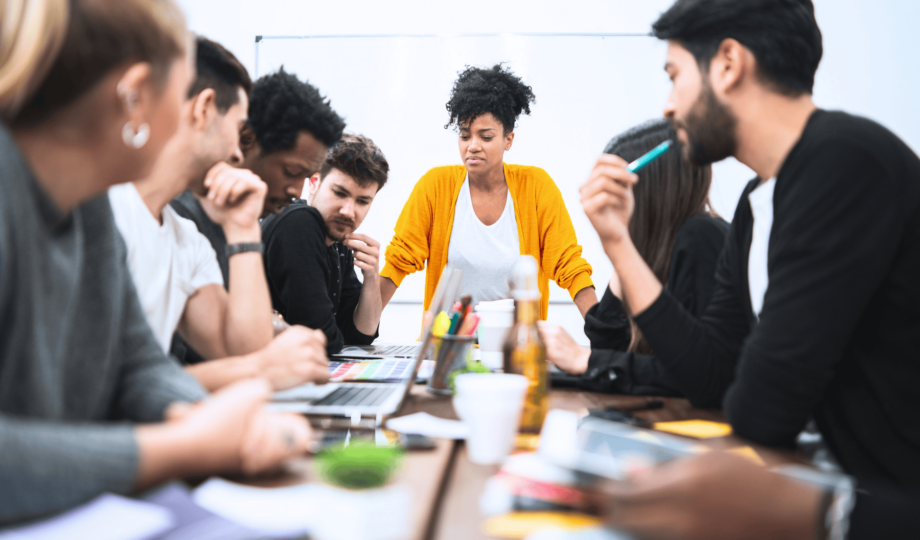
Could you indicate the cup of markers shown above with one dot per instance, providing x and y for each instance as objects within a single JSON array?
[{"x": 454, "y": 334}]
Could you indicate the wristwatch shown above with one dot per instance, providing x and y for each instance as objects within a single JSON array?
[{"x": 233, "y": 249}]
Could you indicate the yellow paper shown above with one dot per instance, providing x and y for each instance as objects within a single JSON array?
[
  {"x": 749, "y": 453},
  {"x": 701, "y": 429},
  {"x": 524, "y": 524}
]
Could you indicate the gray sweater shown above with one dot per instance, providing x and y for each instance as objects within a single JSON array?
[{"x": 78, "y": 363}]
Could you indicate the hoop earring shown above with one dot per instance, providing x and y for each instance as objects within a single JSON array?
[{"x": 134, "y": 139}]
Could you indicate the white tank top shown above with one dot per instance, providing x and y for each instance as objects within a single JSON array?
[{"x": 484, "y": 253}]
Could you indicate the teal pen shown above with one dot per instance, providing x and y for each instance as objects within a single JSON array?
[{"x": 651, "y": 156}]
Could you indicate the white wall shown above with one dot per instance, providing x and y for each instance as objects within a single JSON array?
[{"x": 867, "y": 69}]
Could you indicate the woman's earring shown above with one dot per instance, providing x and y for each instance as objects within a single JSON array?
[{"x": 134, "y": 139}]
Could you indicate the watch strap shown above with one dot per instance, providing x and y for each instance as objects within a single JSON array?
[{"x": 233, "y": 249}]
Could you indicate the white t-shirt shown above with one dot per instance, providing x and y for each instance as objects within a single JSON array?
[
  {"x": 168, "y": 262},
  {"x": 484, "y": 253},
  {"x": 761, "y": 200}
]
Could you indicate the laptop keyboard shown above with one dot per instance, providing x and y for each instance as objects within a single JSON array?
[
  {"x": 356, "y": 397},
  {"x": 401, "y": 350}
]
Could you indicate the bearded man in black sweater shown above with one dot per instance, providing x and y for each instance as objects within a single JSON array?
[
  {"x": 816, "y": 311},
  {"x": 311, "y": 248}
]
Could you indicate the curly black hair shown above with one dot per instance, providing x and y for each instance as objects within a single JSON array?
[
  {"x": 281, "y": 106},
  {"x": 495, "y": 90}
]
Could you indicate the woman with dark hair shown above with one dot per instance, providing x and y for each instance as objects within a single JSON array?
[
  {"x": 679, "y": 237},
  {"x": 481, "y": 216},
  {"x": 90, "y": 92}
]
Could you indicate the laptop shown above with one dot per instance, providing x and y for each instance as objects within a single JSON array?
[
  {"x": 369, "y": 399},
  {"x": 382, "y": 350}
]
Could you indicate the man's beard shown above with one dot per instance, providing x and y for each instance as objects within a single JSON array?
[
  {"x": 334, "y": 234},
  {"x": 710, "y": 128}
]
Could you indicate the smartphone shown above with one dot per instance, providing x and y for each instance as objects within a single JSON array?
[{"x": 411, "y": 441}]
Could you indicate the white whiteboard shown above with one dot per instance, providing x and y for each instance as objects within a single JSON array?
[{"x": 394, "y": 89}]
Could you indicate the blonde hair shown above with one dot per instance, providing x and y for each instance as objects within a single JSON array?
[
  {"x": 53, "y": 51},
  {"x": 31, "y": 34}
]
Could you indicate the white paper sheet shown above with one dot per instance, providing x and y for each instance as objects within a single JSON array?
[
  {"x": 107, "y": 517},
  {"x": 280, "y": 512},
  {"x": 316, "y": 509},
  {"x": 431, "y": 426}
]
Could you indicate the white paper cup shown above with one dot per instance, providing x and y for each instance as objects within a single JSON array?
[
  {"x": 491, "y": 405},
  {"x": 496, "y": 313},
  {"x": 495, "y": 318}
]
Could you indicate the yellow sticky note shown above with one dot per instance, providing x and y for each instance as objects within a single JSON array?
[
  {"x": 750, "y": 453},
  {"x": 524, "y": 524},
  {"x": 701, "y": 429}
]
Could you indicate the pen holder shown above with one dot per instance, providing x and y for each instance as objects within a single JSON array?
[{"x": 452, "y": 353}]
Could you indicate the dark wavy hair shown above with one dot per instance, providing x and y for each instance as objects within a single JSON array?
[
  {"x": 782, "y": 34},
  {"x": 219, "y": 69},
  {"x": 494, "y": 90},
  {"x": 281, "y": 106},
  {"x": 669, "y": 192},
  {"x": 358, "y": 157}
]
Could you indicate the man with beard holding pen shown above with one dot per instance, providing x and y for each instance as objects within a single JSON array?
[{"x": 816, "y": 311}]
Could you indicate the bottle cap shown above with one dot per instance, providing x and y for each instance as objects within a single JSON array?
[{"x": 523, "y": 279}]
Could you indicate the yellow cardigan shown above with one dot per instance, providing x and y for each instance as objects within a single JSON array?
[{"x": 545, "y": 230}]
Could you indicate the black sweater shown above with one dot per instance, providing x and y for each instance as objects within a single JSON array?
[
  {"x": 691, "y": 280},
  {"x": 839, "y": 334},
  {"x": 311, "y": 283}
]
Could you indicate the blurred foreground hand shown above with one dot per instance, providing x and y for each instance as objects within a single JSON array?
[{"x": 715, "y": 496}]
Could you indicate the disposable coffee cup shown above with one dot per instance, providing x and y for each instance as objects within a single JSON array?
[
  {"x": 490, "y": 404},
  {"x": 495, "y": 318}
]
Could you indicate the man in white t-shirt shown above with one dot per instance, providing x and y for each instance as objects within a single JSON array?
[{"x": 173, "y": 265}]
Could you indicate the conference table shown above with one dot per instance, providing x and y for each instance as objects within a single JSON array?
[{"x": 445, "y": 485}]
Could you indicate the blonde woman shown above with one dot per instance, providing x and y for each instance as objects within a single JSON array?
[{"x": 90, "y": 92}]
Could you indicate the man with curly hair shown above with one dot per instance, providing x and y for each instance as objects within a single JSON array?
[
  {"x": 311, "y": 248},
  {"x": 482, "y": 215},
  {"x": 290, "y": 128}
]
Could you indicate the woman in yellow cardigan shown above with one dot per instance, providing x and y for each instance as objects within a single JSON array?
[{"x": 482, "y": 215}]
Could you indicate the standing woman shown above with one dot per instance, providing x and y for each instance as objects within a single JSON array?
[
  {"x": 479, "y": 217},
  {"x": 680, "y": 239},
  {"x": 90, "y": 92}
]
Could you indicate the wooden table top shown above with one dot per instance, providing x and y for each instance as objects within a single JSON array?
[
  {"x": 445, "y": 485},
  {"x": 459, "y": 517}
]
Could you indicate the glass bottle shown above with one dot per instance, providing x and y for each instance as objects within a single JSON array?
[{"x": 524, "y": 349}]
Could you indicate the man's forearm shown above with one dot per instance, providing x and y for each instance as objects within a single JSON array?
[
  {"x": 387, "y": 290},
  {"x": 248, "y": 319},
  {"x": 640, "y": 286},
  {"x": 215, "y": 374},
  {"x": 367, "y": 312}
]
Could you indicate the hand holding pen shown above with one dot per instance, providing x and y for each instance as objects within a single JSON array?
[{"x": 607, "y": 196}]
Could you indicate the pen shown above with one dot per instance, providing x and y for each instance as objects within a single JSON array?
[
  {"x": 464, "y": 310},
  {"x": 651, "y": 156}
]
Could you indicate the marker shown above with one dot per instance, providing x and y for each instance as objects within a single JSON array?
[{"x": 640, "y": 163}]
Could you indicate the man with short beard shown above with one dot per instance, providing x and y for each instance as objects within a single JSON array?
[
  {"x": 174, "y": 268},
  {"x": 311, "y": 248},
  {"x": 816, "y": 311}
]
